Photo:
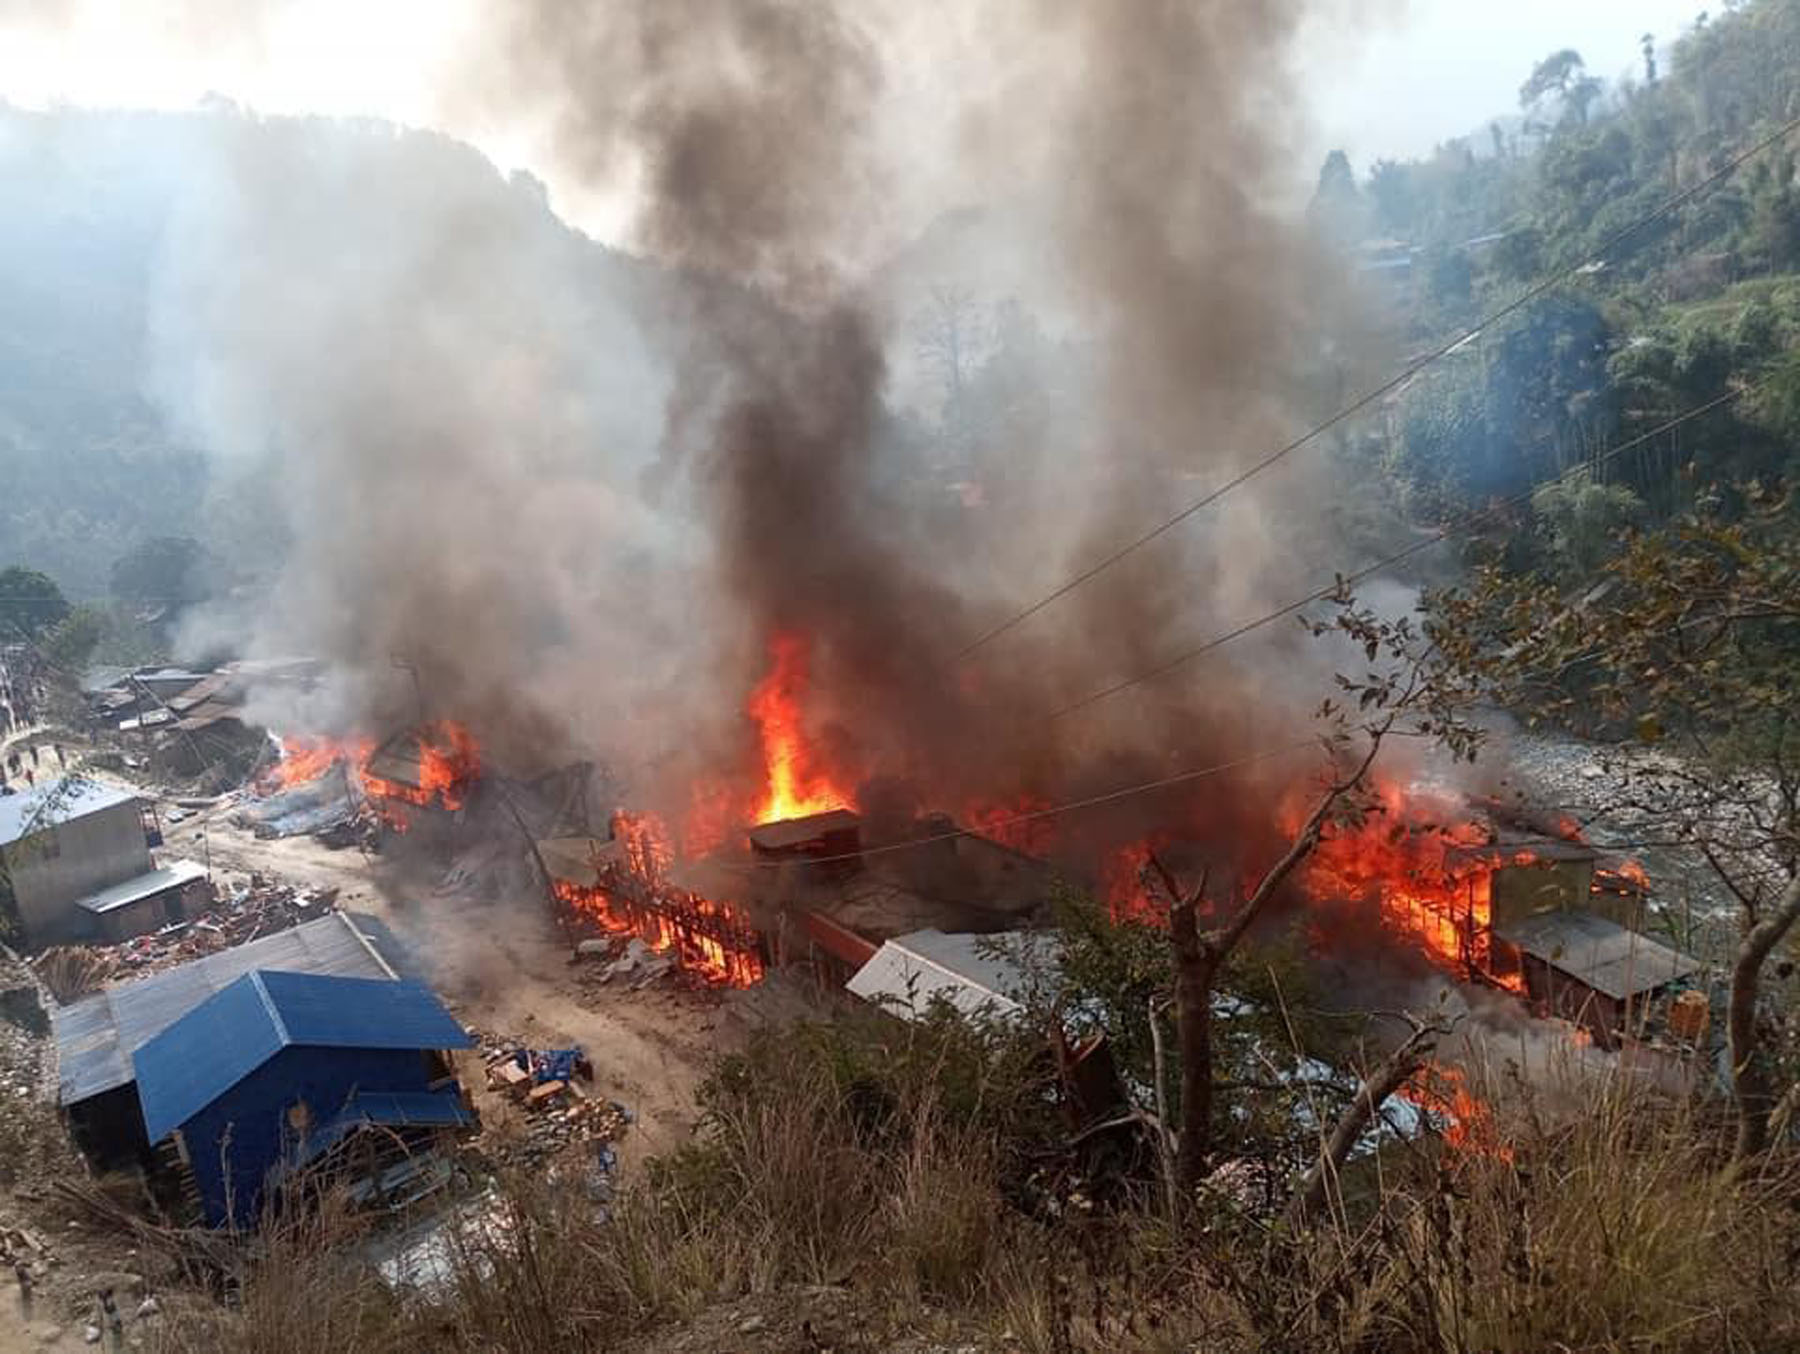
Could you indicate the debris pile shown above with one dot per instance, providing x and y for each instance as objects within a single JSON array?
[
  {"x": 548, "y": 1085},
  {"x": 627, "y": 961},
  {"x": 26, "y": 1256},
  {"x": 245, "y": 914},
  {"x": 328, "y": 806},
  {"x": 29, "y": 1132}
]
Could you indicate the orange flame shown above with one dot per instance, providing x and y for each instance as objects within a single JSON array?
[
  {"x": 1402, "y": 856},
  {"x": 797, "y": 785},
  {"x": 304, "y": 760},
  {"x": 1468, "y": 1123},
  {"x": 634, "y": 897},
  {"x": 1012, "y": 824},
  {"x": 713, "y": 811},
  {"x": 1128, "y": 901},
  {"x": 449, "y": 760}
]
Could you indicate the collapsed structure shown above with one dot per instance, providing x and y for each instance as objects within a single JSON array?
[{"x": 797, "y": 892}]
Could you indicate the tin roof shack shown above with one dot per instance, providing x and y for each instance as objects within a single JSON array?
[
  {"x": 66, "y": 842},
  {"x": 97, "y": 1036},
  {"x": 1589, "y": 969},
  {"x": 278, "y": 1070},
  {"x": 165, "y": 896}
]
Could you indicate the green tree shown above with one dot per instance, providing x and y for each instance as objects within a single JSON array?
[
  {"x": 30, "y": 603},
  {"x": 1584, "y": 521},
  {"x": 70, "y": 644},
  {"x": 1520, "y": 255},
  {"x": 1337, "y": 207},
  {"x": 1563, "y": 74},
  {"x": 164, "y": 571},
  {"x": 1695, "y": 644}
]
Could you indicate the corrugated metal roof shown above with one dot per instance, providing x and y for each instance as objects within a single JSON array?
[
  {"x": 392, "y": 1109},
  {"x": 216, "y": 1045},
  {"x": 96, "y": 1037},
  {"x": 1598, "y": 952},
  {"x": 58, "y": 801},
  {"x": 398, "y": 759},
  {"x": 908, "y": 973},
  {"x": 171, "y": 876}
]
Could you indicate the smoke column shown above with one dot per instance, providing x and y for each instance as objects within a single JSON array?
[
  {"x": 581, "y": 506},
  {"x": 1154, "y": 134}
]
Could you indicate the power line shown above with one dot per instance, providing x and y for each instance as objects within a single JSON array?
[
  {"x": 1364, "y": 401},
  {"x": 1424, "y": 543}
]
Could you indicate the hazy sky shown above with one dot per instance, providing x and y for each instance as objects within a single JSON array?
[
  {"x": 1442, "y": 68},
  {"x": 1396, "y": 83}
]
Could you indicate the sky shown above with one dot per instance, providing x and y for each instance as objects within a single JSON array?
[
  {"x": 1436, "y": 69},
  {"x": 1405, "y": 76}
]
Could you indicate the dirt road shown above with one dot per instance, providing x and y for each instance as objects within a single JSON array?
[{"x": 504, "y": 968}]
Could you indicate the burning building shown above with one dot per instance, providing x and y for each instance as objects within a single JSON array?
[
  {"x": 628, "y": 885},
  {"x": 1486, "y": 900},
  {"x": 430, "y": 767}
]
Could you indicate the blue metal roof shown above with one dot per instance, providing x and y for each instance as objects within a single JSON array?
[
  {"x": 96, "y": 1037},
  {"x": 54, "y": 802},
  {"x": 239, "y": 1028},
  {"x": 392, "y": 1109}
]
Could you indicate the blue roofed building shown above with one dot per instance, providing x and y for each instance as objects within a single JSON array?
[{"x": 276, "y": 1071}]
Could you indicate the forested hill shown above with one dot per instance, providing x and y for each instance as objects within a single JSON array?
[
  {"x": 90, "y": 466},
  {"x": 1704, "y": 302},
  {"x": 1707, "y": 301},
  {"x": 86, "y": 464}
]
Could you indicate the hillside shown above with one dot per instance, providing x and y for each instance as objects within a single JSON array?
[
  {"x": 93, "y": 315},
  {"x": 1703, "y": 300}
]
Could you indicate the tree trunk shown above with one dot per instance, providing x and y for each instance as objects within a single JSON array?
[
  {"x": 1195, "y": 969},
  {"x": 1750, "y": 1077},
  {"x": 1380, "y": 1084},
  {"x": 1165, "y": 1142}
]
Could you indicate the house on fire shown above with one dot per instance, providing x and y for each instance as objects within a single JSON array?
[
  {"x": 354, "y": 1057},
  {"x": 1559, "y": 931},
  {"x": 75, "y": 864}
]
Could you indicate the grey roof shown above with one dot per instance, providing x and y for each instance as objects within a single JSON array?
[
  {"x": 910, "y": 971},
  {"x": 786, "y": 833},
  {"x": 96, "y": 1037},
  {"x": 171, "y": 876},
  {"x": 58, "y": 801},
  {"x": 99, "y": 678},
  {"x": 1598, "y": 952}
]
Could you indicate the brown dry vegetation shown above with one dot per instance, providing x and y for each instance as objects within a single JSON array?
[{"x": 868, "y": 1185}]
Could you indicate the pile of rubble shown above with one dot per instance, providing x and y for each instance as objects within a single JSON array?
[
  {"x": 627, "y": 961},
  {"x": 245, "y": 914},
  {"x": 30, "y": 1136},
  {"x": 559, "y": 1113}
]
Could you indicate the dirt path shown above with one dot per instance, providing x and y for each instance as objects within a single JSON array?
[{"x": 503, "y": 967}]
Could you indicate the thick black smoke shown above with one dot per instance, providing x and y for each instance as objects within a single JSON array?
[
  {"x": 1158, "y": 133},
  {"x": 580, "y": 507}
]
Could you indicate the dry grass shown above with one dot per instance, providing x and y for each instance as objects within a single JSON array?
[{"x": 882, "y": 1170}]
